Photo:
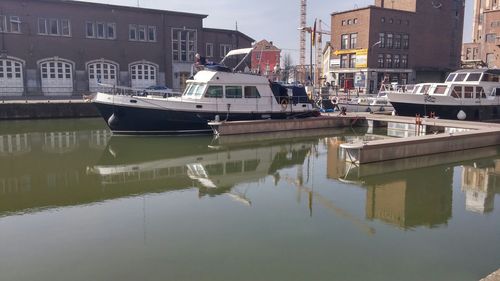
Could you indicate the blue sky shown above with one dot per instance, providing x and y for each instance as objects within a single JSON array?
[{"x": 274, "y": 20}]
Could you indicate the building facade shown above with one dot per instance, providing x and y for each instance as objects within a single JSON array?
[
  {"x": 484, "y": 48},
  {"x": 266, "y": 59},
  {"x": 404, "y": 42},
  {"x": 56, "y": 47}
]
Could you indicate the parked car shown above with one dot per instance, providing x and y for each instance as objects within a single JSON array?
[{"x": 158, "y": 90}]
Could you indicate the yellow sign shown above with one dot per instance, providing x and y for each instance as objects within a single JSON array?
[{"x": 351, "y": 51}]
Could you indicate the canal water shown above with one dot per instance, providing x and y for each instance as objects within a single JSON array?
[{"x": 79, "y": 204}]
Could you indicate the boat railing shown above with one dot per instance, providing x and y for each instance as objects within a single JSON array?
[
  {"x": 396, "y": 88},
  {"x": 128, "y": 91},
  {"x": 284, "y": 101}
]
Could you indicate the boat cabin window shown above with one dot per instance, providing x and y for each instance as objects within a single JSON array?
[
  {"x": 451, "y": 77},
  {"x": 251, "y": 92},
  {"x": 234, "y": 92},
  {"x": 473, "y": 77},
  {"x": 194, "y": 90},
  {"x": 457, "y": 92},
  {"x": 460, "y": 77},
  {"x": 440, "y": 89},
  {"x": 468, "y": 92},
  {"x": 496, "y": 92},
  {"x": 480, "y": 93},
  {"x": 214, "y": 92},
  {"x": 424, "y": 89},
  {"x": 487, "y": 77}
]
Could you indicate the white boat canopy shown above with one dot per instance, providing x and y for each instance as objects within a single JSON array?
[{"x": 239, "y": 52}]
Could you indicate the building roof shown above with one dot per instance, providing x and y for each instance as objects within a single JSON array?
[
  {"x": 265, "y": 45},
  {"x": 229, "y": 31},
  {"x": 370, "y": 7},
  {"x": 131, "y": 8}
]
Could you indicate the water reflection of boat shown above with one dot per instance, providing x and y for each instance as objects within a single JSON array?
[{"x": 191, "y": 163}]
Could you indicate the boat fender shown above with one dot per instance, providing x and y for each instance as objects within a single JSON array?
[
  {"x": 368, "y": 109},
  {"x": 284, "y": 103},
  {"x": 461, "y": 115},
  {"x": 112, "y": 121}
]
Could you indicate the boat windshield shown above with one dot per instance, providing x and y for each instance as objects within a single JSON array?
[
  {"x": 194, "y": 90},
  {"x": 473, "y": 77},
  {"x": 451, "y": 77},
  {"x": 488, "y": 77}
]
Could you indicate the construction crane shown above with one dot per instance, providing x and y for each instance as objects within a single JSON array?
[
  {"x": 302, "y": 28},
  {"x": 318, "y": 34}
]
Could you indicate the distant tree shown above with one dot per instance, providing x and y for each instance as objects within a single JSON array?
[{"x": 287, "y": 66}]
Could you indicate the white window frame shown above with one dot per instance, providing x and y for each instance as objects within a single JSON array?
[
  {"x": 190, "y": 41},
  {"x": 49, "y": 25},
  {"x": 109, "y": 71},
  {"x": 153, "y": 30},
  {"x": 132, "y": 28},
  {"x": 140, "y": 74},
  {"x": 15, "y": 24},
  {"x": 209, "y": 50},
  {"x": 3, "y": 23},
  {"x": 142, "y": 29},
  {"x": 224, "y": 49},
  {"x": 54, "y": 69},
  {"x": 65, "y": 25},
  {"x": 93, "y": 29},
  {"x": 103, "y": 26},
  {"x": 113, "y": 26},
  {"x": 42, "y": 22},
  {"x": 11, "y": 76}
]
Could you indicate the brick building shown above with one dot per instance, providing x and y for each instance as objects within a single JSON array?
[
  {"x": 405, "y": 41},
  {"x": 57, "y": 47},
  {"x": 265, "y": 59},
  {"x": 484, "y": 48}
]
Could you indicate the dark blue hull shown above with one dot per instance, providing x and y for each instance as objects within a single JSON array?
[
  {"x": 143, "y": 121},
  {"x": 472, "y": 112}
]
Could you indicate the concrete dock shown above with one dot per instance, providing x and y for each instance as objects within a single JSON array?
[
  {"x": 46, "y": 109},
  {"x": 448, "y": 136}
]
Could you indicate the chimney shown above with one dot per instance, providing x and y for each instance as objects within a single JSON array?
[
  {"x": 379, "y": 3},
  {"x": 271, "y": 42}
]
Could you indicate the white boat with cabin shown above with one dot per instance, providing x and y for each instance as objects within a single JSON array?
[
  {"x": 468, "y": 94},
  {"x": 214, "y": 93}
]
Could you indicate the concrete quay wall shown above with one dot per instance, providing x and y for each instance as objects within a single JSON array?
[
  {"x": 383, "y": 150},
  {"x": 47, "y": 110},
  {"x": 266, "y": 126}
]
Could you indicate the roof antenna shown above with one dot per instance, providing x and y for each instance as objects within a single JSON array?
[
  {"x": 236, "y": 25},
  {"x": 138, "y": 4}
]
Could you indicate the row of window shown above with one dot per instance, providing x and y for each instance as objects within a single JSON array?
[
  {"x": 350, "y": 21},
  {"x": 392, "y": 61},
  {"x": 396, "y": 41},
  {"x": 223, "y": 50},
  {"x": 472, "y": 53},
  {"x": 10, "y": 24},
  {"x": 348, "y": 41},
  {"x": 397, "y": 21},
  {"x": 99, "y": 30},
  {"x": 215, "y": 91},
  {"x": 56, "y": 72},
  {"x": 458, "y": 92}
]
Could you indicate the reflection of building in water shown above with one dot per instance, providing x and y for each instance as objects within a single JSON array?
[
  {"x": 335, "y": 165},
  {"x": 14, "y": 144},
  {"x": 99, "y": 138},
  {"x": 60, "y": 142},
  {"x": 33, "y": 176},
  {"x": 479, "y": 186},
  {"x": 409, "y": 200}
]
